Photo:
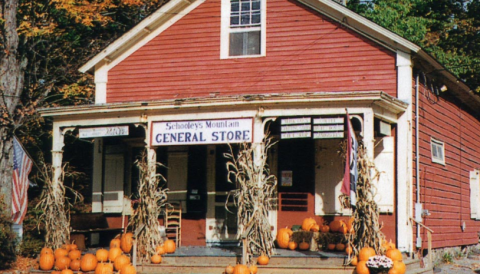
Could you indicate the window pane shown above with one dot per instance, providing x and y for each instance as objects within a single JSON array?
[
  {"x": 253, "y": 46},
  {"x": 236, "y": 44},
  {"x": 440, "y": 152},
  {"x": 434, "y": 150},
  {"x": 235, "y": 6},
  {"x": 255, "y": 5},
  {"x": 246, "y": 6},
  {"x": 256, "y": 18},
  {"x": 245, "y": 18},
  {"x": 234, "y": 20}
]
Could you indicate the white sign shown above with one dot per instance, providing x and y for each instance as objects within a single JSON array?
[
  {"x": 287, "y": 178},
  {"x": 292, "y": 121},
  {"x": 328, "y": 128},
  {"x": 296, "y": 128},
  {"x": 317, "y": 121},
  {"x": 291, "y": 135},
  {"x": 327, "y": 135},
  {"x": 202, "y": 132},
  {"x": 103, "y": 131}
]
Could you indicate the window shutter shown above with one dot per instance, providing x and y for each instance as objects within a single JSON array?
[
  {"x": 113, "y": 180},
  {"x": 384, "y": 162},
  {"x": 474, "y": 194}
]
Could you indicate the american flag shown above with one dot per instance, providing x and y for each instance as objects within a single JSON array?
[
  {"x": 350, "y": 177},
  {"x": 22, "y": 165}
]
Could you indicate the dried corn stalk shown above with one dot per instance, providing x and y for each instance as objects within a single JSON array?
[
  {"x": 55, "y": 207},
  {"x": 151, "y": 199},
  {"x": 254, "y": 197},
  {"x": 366, "y": 214}
]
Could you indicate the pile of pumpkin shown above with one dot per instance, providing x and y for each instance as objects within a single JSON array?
[
  {"x": 365, "y": 253},
  {"x": 68, "y": 258},
  {"x": 244, "y": 269}
]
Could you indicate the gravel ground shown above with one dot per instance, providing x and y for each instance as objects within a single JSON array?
[{"x": 462, "y": 265}]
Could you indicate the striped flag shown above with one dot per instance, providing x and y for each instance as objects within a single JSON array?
[
  {"x": 22, "y": 165},
  {"x": 349, "y": 186}
]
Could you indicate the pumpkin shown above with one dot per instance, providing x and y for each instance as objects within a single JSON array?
[
  {"x": 394, "y": 254},
  {"x": 75, "y": 265},
  {"x": 331, "y": 246},
  {"x": 46, "y": 250},
  {"x": 342, "y": 228},
  {"x": 60, "y": 252},
  {"x": 102, "y": 255},
  {"x": 115, "y": 243},
  {"x": 55, "y": 272},
  {"x": 67, "y": 271},
  {"x": 325, "y": 228},
  {"x": 62, "y": 263},
  {"x": 160, "y": 250},
  {"x": 350, "y": 225},
  {"x": 398, "y": 268},
  {"x": 292, "y": 245},
  {"x": 156, "y": 259},
  {"x": 253, "y": 269},
  {"x": 238, "y": 269},
  {"x": 362, "y": 268},
  {"x": 283, "y": 237},
  {"x": 104, "y": 268},
  {"x": 388, "y": 245},
  {"x": 340, "y": 247},
  {"x": 47, "y": 261},
  {"x": 349, "y": 250},
  {"x": 88, "y": 262},
  {"x": 354, "y": 260},
  {"x": 304, "y": 245},
  {"x": 120, "y": 261},
  {"x": 66, "y": 247},
  {"x": 335, "y": 225},
  {"x": 128, "y": 269},
  {"x": 366, "y": 253},
  {"x": 75, "y": 254},
  {"x": 73, "y": 246},
  {"x": 263, "y": 259},
  {"x": 126, "y": 242},
  {"x": 229, "y": 269},
  {"x": 169, "y": 246},
  {"x": 113, "y": 253},
  {"x": 315, "y": 228},
  {"x": 308, "y": 223}
]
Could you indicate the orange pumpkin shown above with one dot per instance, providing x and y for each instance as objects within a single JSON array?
[
  {"x": 240, "y": 269},
  {"x": 354, "y": 260},
  {"x": 229, "y": 269},
  {"x": 304, "y": 245},
  {"x": 104, "y": 268},
  {"x": 88, "y": 262},
  {"x": 253, "y": 269},
  {"x": 169, "y": 246},
  {"x": 292, "y": 245},
  {"x": 75, "y": 265},
  {"x": 156, "y": 259},
  {"x": 362, "y": 268},
  {"x": 120, "y": 261},
  {"x": 67, "y": 271},
  {"x": 55, "y": 272},
  {"x": 349, "y": 250},
  {"x": 73, "y": 246},
  {"x": 47, "y": 261},
  {"x": 340, "y": 247},
  {"x": 102, "y": 255},
  {"x": 46, "y": 250},
  {"x": 398, "y": 268},
  {"x": 62, "y": 263},
  {"x": 325, "y": 228},
  {"x": 60, "y": 252},
  {"x": 331, "y": 246},
  {"x": 394, "y": 254},
  {"x": 128, "y": 269},
  {"x": 160, "y": 250},
  {"x": 342, "y": 228},
  {"x": 283, "y": 237},
  {"x": 308, "y": 223},
  {"x": 335, "y": 225},
  {"x": 113, "y": 253},
  {"x": 115, "y": 243},
  {"x": 388, "y": 245},
  {"x": 315, "y": 228},
  {"x": 263, "y": 259},
  {"x": 366, "y": 253},
  {"x": 74, "y": 254},
  {"x": 126, "y": 242},
  {"x": 350, "y": 225},
  {"x": 66, "y": 247}
]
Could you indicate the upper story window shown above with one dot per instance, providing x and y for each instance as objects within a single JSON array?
[
  {"x": 243, "y": 28},
  {"x": 438, "y": 151}
]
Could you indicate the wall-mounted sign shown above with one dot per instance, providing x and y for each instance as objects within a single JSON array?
[
  {"x": 318, "y": 121},
  {"x": 296, "y": 128},
  {"x": 103, "y": 131},
  {"x": 323, "y": 128},
  {"x": 202, "y": 132},
  {"x": 287, "y": 178},
  {"x": 327, "y": 135}
]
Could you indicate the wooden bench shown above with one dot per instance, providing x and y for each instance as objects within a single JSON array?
[{"x": 83, "y": 225}]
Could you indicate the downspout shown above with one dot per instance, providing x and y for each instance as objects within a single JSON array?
[{"x": 417, "y": 154}]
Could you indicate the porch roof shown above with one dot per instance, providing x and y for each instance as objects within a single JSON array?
[{"x": 378, "y": 99}]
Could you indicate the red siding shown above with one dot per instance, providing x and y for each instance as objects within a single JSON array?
[
  {"x": 306, "y": 52},
  {"x": 445, "y": 190}
]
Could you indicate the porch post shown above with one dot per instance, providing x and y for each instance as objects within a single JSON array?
[
  {"x": 57, "y": 154},
  {"x": 368, "y": 135}
]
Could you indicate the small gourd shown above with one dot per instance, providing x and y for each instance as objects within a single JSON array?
[
  {"x": 304, "y": 245},
  {"x": 263, "y": 259},
  {"x": 156, "y": 259}
]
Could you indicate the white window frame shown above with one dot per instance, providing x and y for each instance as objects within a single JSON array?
[
  {"x": 226, "y": 30},
  {"x": 435, "y": 145}
]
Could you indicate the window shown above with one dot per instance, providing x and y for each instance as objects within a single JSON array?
[
  {"x": 438, "y": 151},
  {"x": 243, "y": 28}
]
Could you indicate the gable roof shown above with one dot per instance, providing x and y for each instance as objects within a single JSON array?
[{"x": 174, "y": 10}]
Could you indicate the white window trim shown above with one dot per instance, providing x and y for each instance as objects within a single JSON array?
[
  {"x": 225, "y": 32},
  {"x": 439, "y": 143}
]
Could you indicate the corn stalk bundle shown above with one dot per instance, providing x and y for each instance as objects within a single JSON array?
[
  {"x": 254, "y": 197},
  {"x": 55, "y": 207},
  {"x": 366, "y": 225},
  {"x": 151, "y": 199}
]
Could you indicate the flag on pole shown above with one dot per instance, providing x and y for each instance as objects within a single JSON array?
[
  {"x": 349, "y": 186},
  {"x": 22, "y": 165}
]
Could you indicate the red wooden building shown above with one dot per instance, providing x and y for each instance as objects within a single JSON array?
[{"x": 196, "y": 75}]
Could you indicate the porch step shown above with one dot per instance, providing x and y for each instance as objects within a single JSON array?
[{"x": 414, "y": 267}]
